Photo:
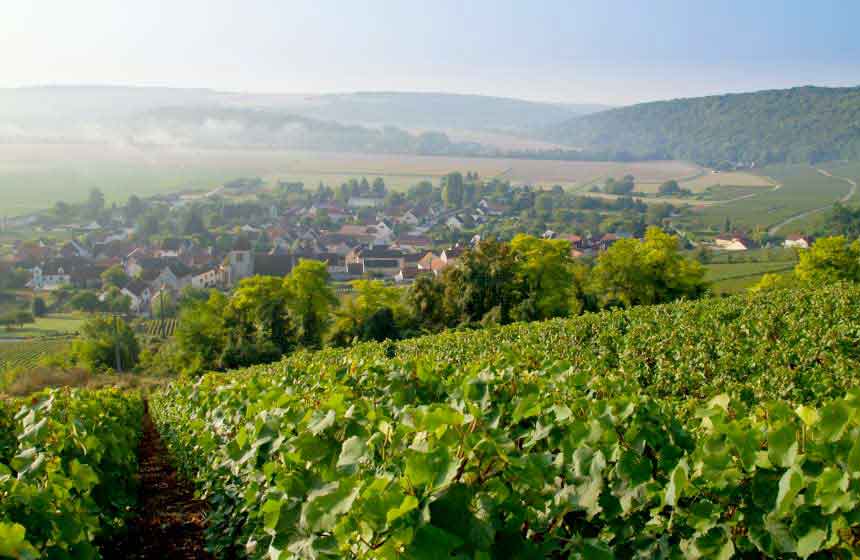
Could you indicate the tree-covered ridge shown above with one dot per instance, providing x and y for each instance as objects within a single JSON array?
[{"x": 806, "y": 124}]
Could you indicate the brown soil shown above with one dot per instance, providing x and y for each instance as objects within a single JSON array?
[{"x": 170, "y": 522}]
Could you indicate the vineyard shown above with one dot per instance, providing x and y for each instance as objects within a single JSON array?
[
  {"x": 27, "y": 354},
  {"x": 161, "y": 328},
  {"x": 67, "y": 466},
  {"x": 708, "y": 429}
]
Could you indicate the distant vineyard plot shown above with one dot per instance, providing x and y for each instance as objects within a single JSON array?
[
  {"x": 33, "y": 177},
  {"x": 25, "y": 354},
  {"x": 161, "y": 328},
  {"x": 801, "y": 189}
]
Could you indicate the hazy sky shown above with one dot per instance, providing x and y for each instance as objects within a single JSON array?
[{"x": 581, "y": 51}]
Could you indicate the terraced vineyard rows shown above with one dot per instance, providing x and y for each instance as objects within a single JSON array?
[
  {"x": 27, "y": 354},
  {"x": 67, "y": 466},
  {"x": 698, "y": 430},
  {"x": 163, "y": 328}
]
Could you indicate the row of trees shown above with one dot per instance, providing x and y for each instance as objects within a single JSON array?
[{"x": 496, "y": 282}]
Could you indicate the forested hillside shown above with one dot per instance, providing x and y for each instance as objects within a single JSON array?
[{"x": 806, "y": 124}]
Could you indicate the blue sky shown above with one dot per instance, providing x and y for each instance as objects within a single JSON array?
[{"x": 614, "y": 52}]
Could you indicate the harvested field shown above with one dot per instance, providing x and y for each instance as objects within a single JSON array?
[{"x": 34, "y": 177}]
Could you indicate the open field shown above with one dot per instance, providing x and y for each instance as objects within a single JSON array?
[
  {"x": 704, "y": 180},
  {"x": 33, "y": 177},
  {"x": 49, "y": 325}
]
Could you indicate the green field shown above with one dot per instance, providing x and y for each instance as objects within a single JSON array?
[
  {"x": 730, "y": 278},
  {"x": 49, "y": 325}
]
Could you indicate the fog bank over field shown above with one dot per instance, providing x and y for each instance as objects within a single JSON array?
[{"x": 209, "y": 118}]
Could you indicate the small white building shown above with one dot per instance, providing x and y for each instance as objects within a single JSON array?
[
  {"x": 366, "y": 201},
  {"x": 797, "y": 242},
  {"x": 205, "y": 279},
  {"x": 47, "y": 277},
  {"x": 733, "y": 243},
  {"x": 139, "y": 293}
]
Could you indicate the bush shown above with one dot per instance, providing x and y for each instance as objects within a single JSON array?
[{"x": 103, "y": 340}]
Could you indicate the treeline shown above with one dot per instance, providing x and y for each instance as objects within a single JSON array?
[
  {"x": 264, "y": 128},
  {"x": 495, "y": 282},
  {"x": 842, "y": 219},
  {"x": 806, "y": 124}
]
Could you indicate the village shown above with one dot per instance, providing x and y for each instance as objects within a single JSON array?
[
  {"x": 365, "y": 233},
  {"x": 155, "y": 248}
]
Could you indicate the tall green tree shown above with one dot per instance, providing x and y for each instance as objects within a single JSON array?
[
  {"x": 201, "y": 333},
  {"x": 311, "y": 300},
  {"x": 115, "y": 276},
  {"x": 545, "y": 272},
  {"x": 484, "y": 279},
  {"x": 426, "y": 300},
  {"x": 257, "y": 311},
  {"x": 368, "y": 299},
  {"x": 107, "y": 343},
  {"x": 633, "y": 272},
  {"x": 193, "y": 223},
  {"x": 134, "y": 208},
  {"x": 452, "y": 190},
  {"x": 95, "y": 203}
]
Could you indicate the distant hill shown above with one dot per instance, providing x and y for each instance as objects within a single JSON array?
[
  {"x": 436, "y": 110},
  {"x": 805, "y": 124},
  {"x": 45, "y": 106}
]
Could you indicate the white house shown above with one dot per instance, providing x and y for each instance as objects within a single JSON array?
[
  {"x": 139, "y": 294},
  {"x": 454, "y": 223},
  {"x": 797, "y": 242},
  {"x": 384, "y": 234},
  {"x": 205, "y": 279},
  {"x": 408, "y": 218},
  {"x": 239, "y": 264},
  {"x": 49, "y": 277},
  {"x": 732, "y": 243},
  {"x": 365, "y": 201}
]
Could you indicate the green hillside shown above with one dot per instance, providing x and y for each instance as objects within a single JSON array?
[
  {"x": 706, "y": 429},
  {"x": 806, "y": 124}
]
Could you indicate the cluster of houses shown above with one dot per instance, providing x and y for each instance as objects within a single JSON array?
[
  {"x": 394, "y": 245},
  {"x": 588, "y": 246},
  {"x": 737, "y": 241},
  {"x": 350, "y": 252}
]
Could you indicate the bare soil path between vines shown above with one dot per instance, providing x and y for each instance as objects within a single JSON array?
[{"x": 171, "y": 521}]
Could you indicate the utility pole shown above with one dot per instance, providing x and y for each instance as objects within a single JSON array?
[{"x": 116, "y": 343}]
